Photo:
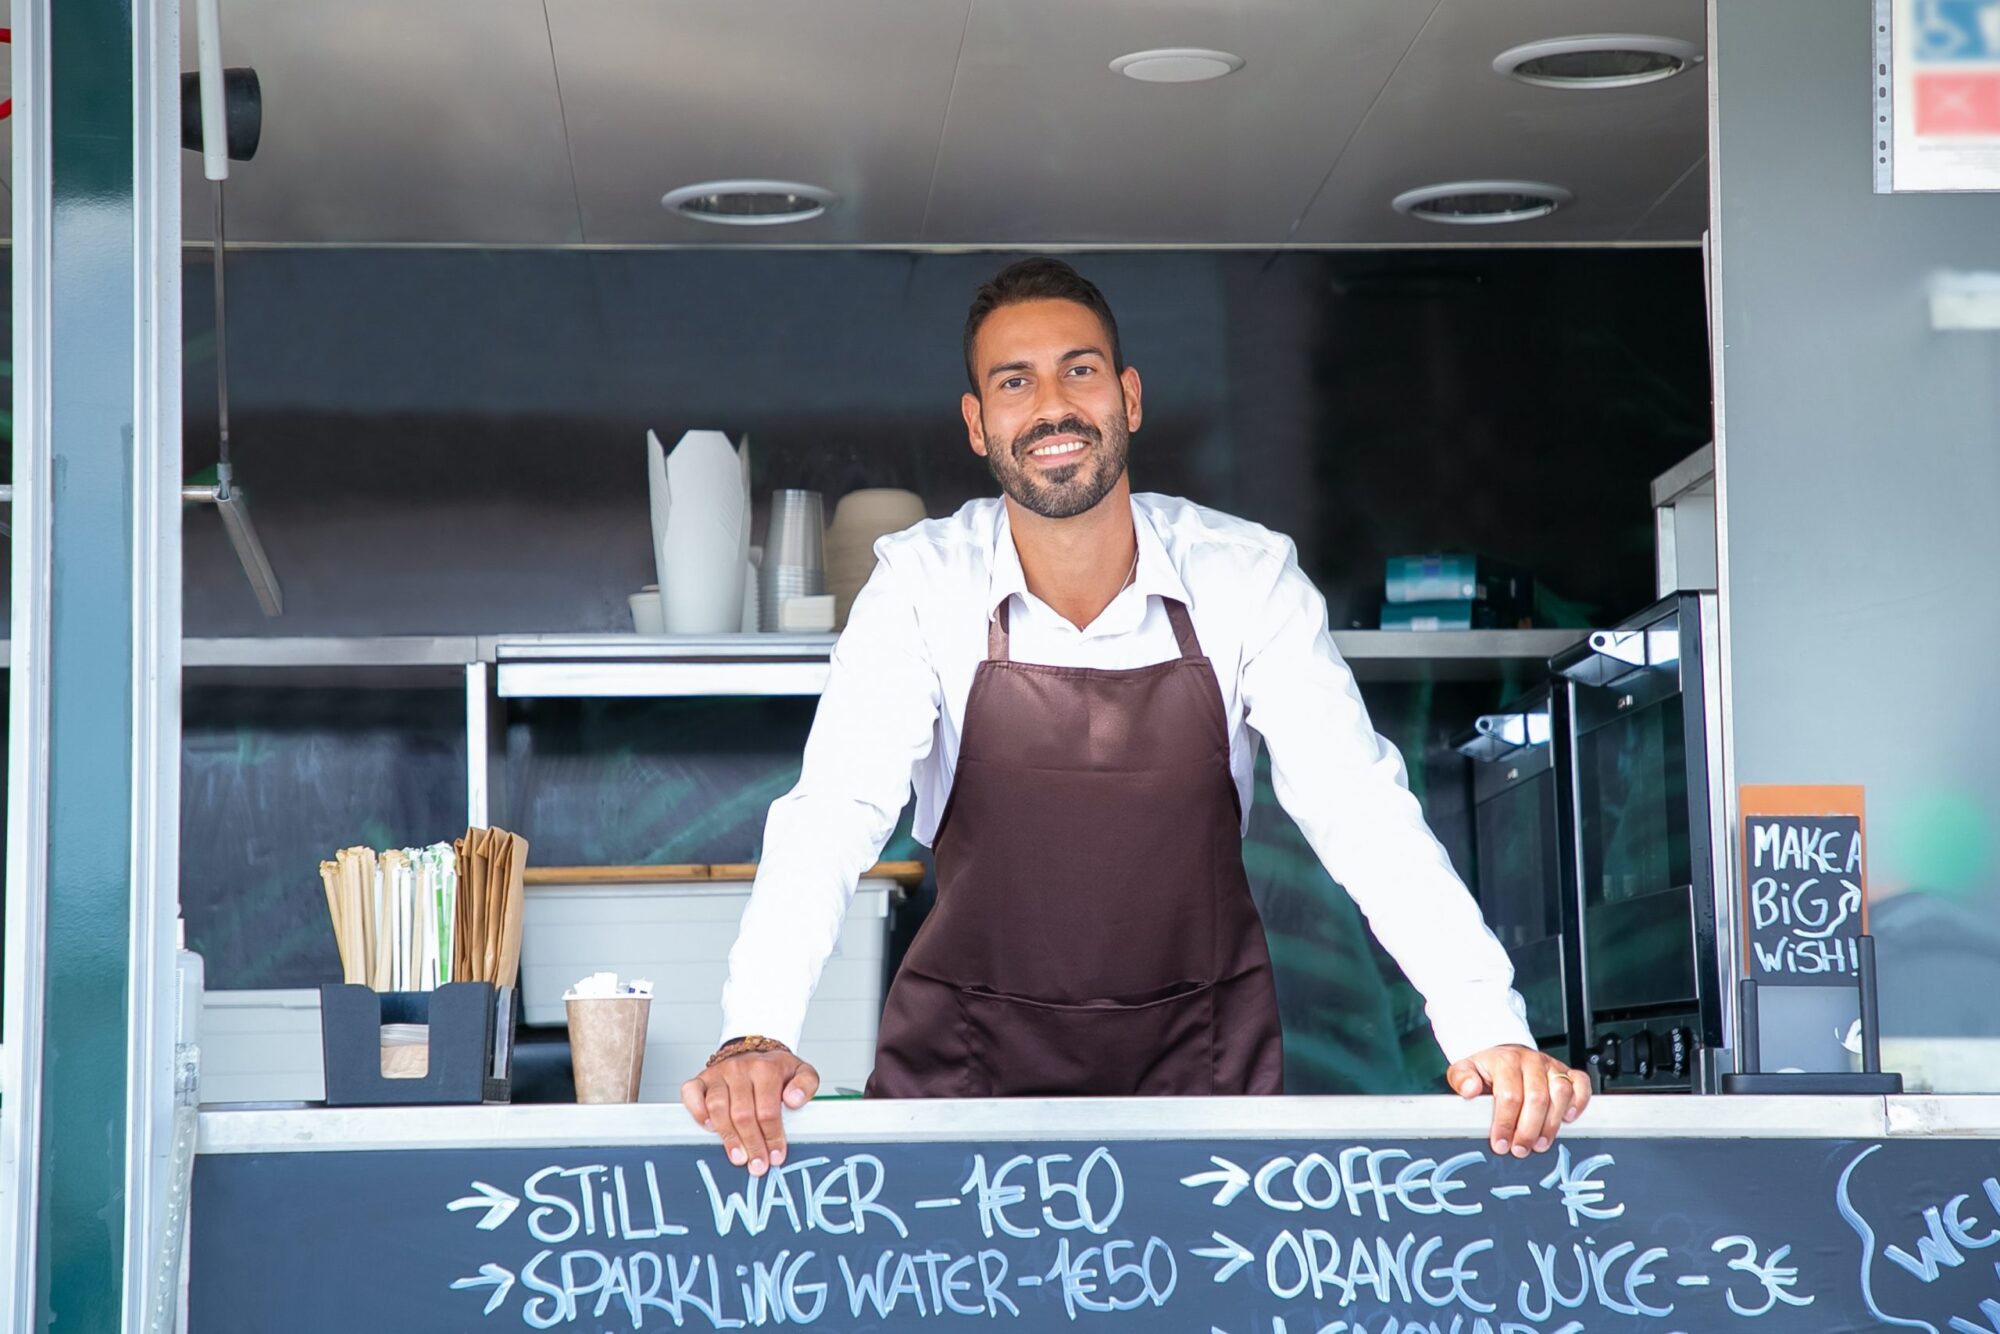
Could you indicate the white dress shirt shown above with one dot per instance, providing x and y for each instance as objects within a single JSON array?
[{"x": 894, "y": 709}]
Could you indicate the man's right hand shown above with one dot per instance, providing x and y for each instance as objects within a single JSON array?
[{"x": 741, "y": 1099}]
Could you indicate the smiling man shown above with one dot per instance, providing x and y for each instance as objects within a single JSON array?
[{"x": 1076, "y": 679}]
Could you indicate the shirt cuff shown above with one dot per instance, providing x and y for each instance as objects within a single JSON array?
[
  {"x": 1466, "y": 1027},
  {"x": 766, "y": 1025}
]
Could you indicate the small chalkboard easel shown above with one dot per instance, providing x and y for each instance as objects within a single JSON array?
[{"x": 1807, "y": 993}]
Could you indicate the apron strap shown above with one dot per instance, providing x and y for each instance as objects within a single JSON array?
[
  {"x": 996, "y": 633},
  {"x": 1177, "y": 612}
]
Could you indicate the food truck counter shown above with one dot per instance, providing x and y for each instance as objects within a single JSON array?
[
  {"x": 259, "y": 1130},
  {"x": 1338, "y": 1215}
]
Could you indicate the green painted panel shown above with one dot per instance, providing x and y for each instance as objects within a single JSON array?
[{"x": 80, "y": 1277}]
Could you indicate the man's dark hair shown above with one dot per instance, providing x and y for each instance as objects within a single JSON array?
[{"x": 1038, "y": 279}]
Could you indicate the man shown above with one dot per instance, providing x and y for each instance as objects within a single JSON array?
[{"x": 1076, "y": 678}]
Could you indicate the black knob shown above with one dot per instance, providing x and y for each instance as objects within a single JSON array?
[
  {"x": 1642, "y": 1054},
  {"x": 1606, "y": 1058}
]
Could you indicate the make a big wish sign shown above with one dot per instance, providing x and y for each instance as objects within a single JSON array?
[
  {"x": 1806, "y": 1000},
  {"x": 1804, "y": 867}
]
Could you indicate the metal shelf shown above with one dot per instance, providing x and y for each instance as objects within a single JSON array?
[
  {"x": 576, "y": 666},
  {"x": 626, "y": 665},
  {"x": 378, "y": 661},
  {"x": 656, "y": 648},
  {"x": 1450, "y": 655},
  {"x": 288, "y": 653}
]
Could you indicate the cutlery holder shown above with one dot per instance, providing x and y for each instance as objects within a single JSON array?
[{"x": 470, "y": 1043}]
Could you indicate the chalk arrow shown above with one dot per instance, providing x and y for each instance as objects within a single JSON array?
[
  {"x": 1230, "y": 1251},
  {"x": 1229, "y": 1182},
  {"x": 497, "y": 1203},
  {"x": 500, "y": 1280}
]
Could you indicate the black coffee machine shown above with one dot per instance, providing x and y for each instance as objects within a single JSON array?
[
  {"x": 1521, "y": 855},
  {"x": 1644, "y": 758}
]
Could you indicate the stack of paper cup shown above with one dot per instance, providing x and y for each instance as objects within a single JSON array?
[
  {"x": 794, "y": 553},
  {"x": 607, "y": 1037},
  {"x": 648, "y": 615},
  {"x": 860, "y": 518}
]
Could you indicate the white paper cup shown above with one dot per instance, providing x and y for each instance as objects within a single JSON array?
[{"x": 648, "y": 616}]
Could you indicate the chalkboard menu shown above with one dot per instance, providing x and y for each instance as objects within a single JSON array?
[{"x": 1782, "y": 1236}]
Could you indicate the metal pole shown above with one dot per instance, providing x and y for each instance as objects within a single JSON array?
[{"x": 222, "y": 468}]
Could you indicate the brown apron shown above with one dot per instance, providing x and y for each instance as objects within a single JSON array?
[{"x": 1094, "y": 933}]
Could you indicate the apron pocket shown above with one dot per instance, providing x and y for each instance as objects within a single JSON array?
[{"x": 1153, "y": 1047}]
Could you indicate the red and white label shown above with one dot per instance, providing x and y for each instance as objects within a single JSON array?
[{"x": 1958, "y": 105}]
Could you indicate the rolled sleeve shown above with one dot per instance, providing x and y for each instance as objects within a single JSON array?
[{"x": 1346, "y": 788}]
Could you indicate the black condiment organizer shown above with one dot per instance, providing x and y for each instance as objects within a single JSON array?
[{"x": 471, "y": 1044}]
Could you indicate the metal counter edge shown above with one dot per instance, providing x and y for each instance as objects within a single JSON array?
[{"x": 306, "y": 1129}]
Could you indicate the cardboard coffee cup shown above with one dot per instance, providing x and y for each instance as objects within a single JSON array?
[{"x": 607, "y": 1045}]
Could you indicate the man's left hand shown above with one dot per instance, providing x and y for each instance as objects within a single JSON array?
[{"x": 1533, "y": 1095}]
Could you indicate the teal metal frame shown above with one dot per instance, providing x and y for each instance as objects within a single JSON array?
[
  {"x": 93, "y": 819},
  {"x": 21, "y": 1007}
]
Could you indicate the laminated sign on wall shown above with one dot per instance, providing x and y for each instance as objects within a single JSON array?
[{"x": 1937, "y": 95}]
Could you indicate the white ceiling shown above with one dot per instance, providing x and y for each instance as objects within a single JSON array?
[
  {"x": 939, "y": 122},
  {"x": 1444, "y": 114}
]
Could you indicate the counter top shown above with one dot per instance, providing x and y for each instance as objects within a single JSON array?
[{"x": 226, "y": 1130}]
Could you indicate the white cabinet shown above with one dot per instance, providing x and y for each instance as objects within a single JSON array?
[{"x": 677, "y": 934}]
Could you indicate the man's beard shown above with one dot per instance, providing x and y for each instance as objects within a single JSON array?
[{"x": 1061, "y": 493}]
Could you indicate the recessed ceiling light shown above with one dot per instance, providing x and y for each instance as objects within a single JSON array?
[
  {"x": 1176, "y": 64},
  {"x": 749, "y": 203},
  {"x": 1476, "y": 203},
  {"x": 1607, "y": 60}
]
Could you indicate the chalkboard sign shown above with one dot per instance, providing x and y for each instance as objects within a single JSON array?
[
  {"x": 1803, "y": 885},
  {"x": 1808, "y": 984},
  {"x": 1230, "y": 1236}
]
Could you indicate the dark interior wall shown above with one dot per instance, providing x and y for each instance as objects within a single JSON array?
[{"x": 451, "y": 441}]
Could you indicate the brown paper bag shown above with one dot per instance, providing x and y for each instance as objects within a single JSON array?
[
  {"x": 461, "y": 925},
  {"x": 515, "y": 879},
  {"x": 475, "y": 870}
]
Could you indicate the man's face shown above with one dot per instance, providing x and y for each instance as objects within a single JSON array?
[{"x": 1051, "y": 419}]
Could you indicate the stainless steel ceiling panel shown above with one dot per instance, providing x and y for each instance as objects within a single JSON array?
[
  {"x": 1446, "y": 115},
  {"x": 1681, "y": 214},
  {"x": 848, "y": 95},
  {"x": 1045, "y": 144},
  {"x": 393, "y": 120}
]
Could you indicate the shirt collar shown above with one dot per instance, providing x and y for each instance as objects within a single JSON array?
[{"x": 1155, "y": 575}]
